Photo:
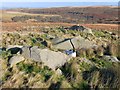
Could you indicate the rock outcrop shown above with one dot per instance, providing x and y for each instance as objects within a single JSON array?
[
  {"x": 53, "y": 59},
  {"x": 50, "y": 58},
  {"x": 81, "y": 28},
  {"x": 78, "y": 42}
]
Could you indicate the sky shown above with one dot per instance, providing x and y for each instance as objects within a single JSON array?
[
  {"x": 59, "y": 0},
  {"x": 55, "y": 3}
]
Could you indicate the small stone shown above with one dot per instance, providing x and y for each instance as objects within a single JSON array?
[{"x": 58, "y": 71}]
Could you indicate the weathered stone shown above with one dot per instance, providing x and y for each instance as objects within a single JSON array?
[
  {"x": 78, "y": 42},
  {"x": 16, "y": 59},
  {"x": 26, "y": 52},
  {"x": 31, "y": 53},
  {"x": 66, "y": 45},
  {"x": 50, "y": 58},
  {"x": 81, "y": 28},
  {"x": 35, "y": 53},
  {"x": 77, "y": 27},
  {"x": 58, "y": 72},
  {"x": 53, "y": 59},
  {"x": 111, "y": 58},
  {"x": 57, "y": 40}
]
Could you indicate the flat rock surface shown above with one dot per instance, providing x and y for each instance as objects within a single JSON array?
[
  {"x": 78, "y": 42},
  {"x": 50, "y": 58},
  {"x": 26, "y": 52},
  {"x": 53, "y": 59},
  {"x": 35, "y": 53},
  {"x": 16, "y": 59}
]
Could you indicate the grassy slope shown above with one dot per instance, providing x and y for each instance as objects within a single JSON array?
[{"x": 7, "y": 15}]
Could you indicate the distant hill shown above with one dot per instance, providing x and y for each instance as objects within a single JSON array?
[{"x": 94, "y": 14}]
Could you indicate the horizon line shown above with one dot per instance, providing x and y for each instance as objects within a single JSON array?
[{"x": 54, "y": 4}]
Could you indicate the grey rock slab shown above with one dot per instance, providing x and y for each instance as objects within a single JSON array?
[
  {"x": 26, "y": 52},
  {"x": 53, "y": 59},
  {"x": 77, "y": 27},
  {"x": 50, "y": 58},
  {"x": 64, "y": 45},
  {"x": 57, "y": 40},
  {"x": 78, "y": 42},
  {"x": 81, "y": 28},
  {"x": 16, "y": 59},
  {"x": 35, "y": 53}
]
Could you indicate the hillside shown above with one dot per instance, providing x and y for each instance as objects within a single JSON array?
[{"x": 103, "y": 14}]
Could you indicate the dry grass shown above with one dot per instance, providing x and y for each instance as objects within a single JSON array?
[
  {"x": 102, "y": 26},
  {"x": 7, "y": 15},
  {"x": 16, "y": 26}
]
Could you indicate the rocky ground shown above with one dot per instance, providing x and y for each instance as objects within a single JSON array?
[{"x": 40, "y": 60}]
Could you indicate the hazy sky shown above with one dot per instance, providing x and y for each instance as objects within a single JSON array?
[
  {"x": 55, "y": 3},
  {"x": 59, "y": 0}
]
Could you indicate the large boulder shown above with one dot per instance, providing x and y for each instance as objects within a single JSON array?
[
  {"x": 16, "y": 59},
  {"x": 65, "y": 45},
  {"x": 53, "y": 59},
  {"x": 31, "y": 53},
  {"x": 78, "y": 42},
  {"x": 81, "y": 28},
  {"x": 50, "y": 58},
  {"x": 77, "y": 27}
]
